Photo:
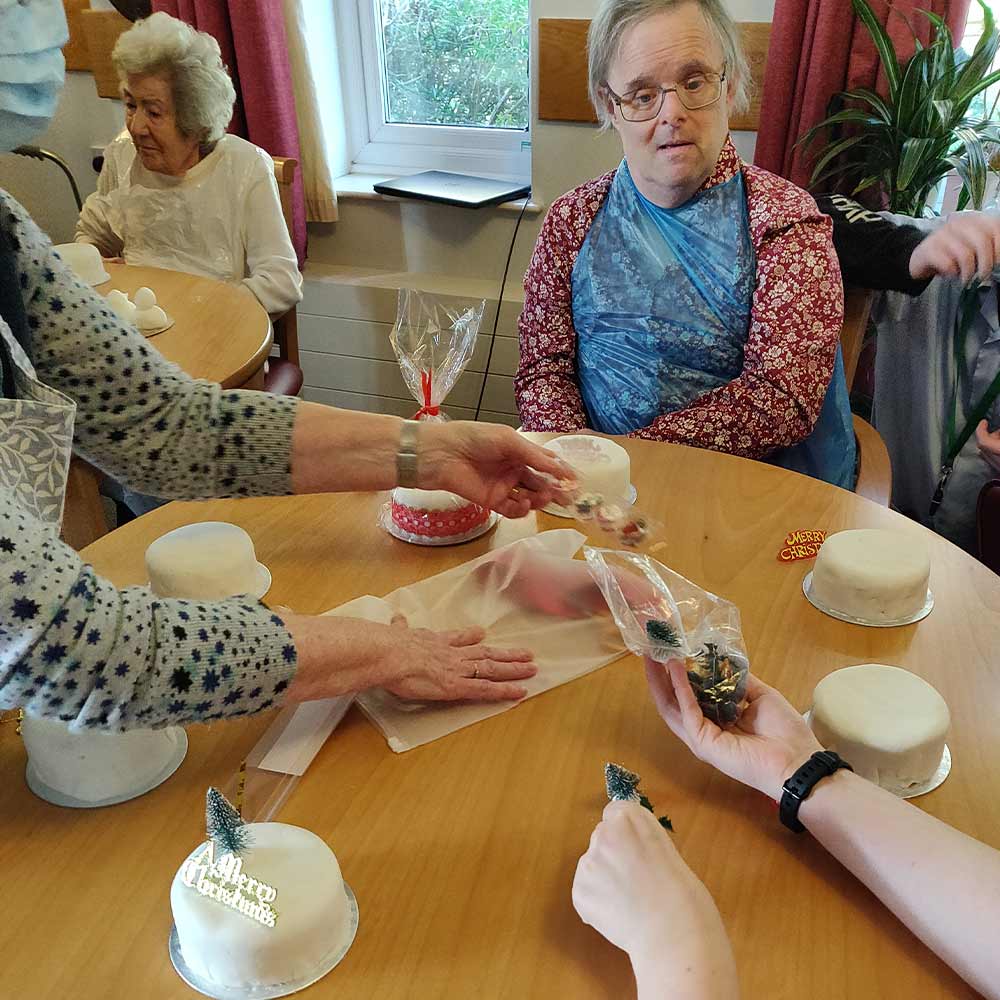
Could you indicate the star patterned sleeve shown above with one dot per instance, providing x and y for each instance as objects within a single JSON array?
[
  {"x": 545, "y": 386},
  {"x": 74, "y": 647},
  {"x": 796, "y": 317},
  {"x": 140, "y": 418}
]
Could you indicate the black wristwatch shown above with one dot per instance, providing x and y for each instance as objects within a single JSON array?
[{"x": 794, "y": 792}]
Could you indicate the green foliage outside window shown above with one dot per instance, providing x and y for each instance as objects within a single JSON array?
[{"x": 456, "y": 62}]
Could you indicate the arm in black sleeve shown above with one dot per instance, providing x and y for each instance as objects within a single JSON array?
[{"x": 874, "y": 251}]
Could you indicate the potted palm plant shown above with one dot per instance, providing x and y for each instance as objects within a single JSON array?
[{"x": 932, "y": 121}]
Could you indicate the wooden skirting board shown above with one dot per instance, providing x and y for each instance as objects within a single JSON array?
[{"x": 562, "y": 70}]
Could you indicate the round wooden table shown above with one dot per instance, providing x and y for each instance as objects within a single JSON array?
[
  {"x": 462, "y": 852},
  {"x": 220, "y": 332}
]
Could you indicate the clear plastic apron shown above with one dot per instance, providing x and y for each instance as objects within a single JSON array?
[
  {"x": 661, "y": 307},
  {"x": 36, "y": 440}
]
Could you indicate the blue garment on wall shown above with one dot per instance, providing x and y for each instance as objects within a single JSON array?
[{"x": 661, "y": 307}]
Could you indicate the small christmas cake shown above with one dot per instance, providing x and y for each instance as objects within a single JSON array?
[
  {"x": 436, "y": 516},
  {"x": 91, "y": 768},
  {"x": 260, "y": 905},
  {"x": 887, "y": 723},
  {"x": 872, "y": 574},
  {"x": 602, "y": 466}
]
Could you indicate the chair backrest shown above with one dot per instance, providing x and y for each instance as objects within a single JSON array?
[
  {"x": 874, "y": 480},
  {"x": 286, "y": 327},
  {"x": 857, "y": 308},
  {"x": 284, "y": 174},
  {"x": 988, "y": 524}
]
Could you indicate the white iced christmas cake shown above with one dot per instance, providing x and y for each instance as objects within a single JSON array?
[
  {"x": 94, "y": 767},
  {"x": 210, "y": 560},
  {"x": 887, "y": 723},
  {"x": 602, "y": 466},
  {"x": 272, "y": 914},
  {"x": 436, "y": 515},
  {"x": 872, "y": 574}
]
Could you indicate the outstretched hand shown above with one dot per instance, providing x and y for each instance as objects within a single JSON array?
[
  {"x": 555, "y": 585},
  {"x": 967, "y": 246},
  {"x": 768, "y": 743},
  {"x": 491, "y": 465}
]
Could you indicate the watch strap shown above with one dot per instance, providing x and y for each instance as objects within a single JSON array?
[
  {"x": 796, "y": 789},
  {"x": 406, "y": 455}
]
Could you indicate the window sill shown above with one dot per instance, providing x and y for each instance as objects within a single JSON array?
[{"x": 360, "y": 187}]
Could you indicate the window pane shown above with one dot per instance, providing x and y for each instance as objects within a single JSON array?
[
  {"x": 988, "y": 101},
  {"x": 455, "y": 62}
]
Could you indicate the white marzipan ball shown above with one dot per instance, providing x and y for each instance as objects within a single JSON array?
[{"x": 144, "y": 299}]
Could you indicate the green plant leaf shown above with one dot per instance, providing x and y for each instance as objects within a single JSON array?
[
  {"x": 883, "y": 43},
  {"x": 977, "y": 166},
  {"x": 946, "y": 112},
  {"x": 910, "y": 163},
  {"x": 835, "y": 150},
  {"x": 866, "y": 183},
  {"x": 881, "y": 108}
]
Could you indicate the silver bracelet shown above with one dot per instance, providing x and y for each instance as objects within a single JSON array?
[{"x": 406, "y": 455}]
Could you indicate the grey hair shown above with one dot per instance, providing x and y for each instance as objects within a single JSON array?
[
  {"x": 615, "y": 17},
  {"x": 203, "y": 93}
]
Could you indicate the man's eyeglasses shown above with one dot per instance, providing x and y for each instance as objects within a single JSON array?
[{"x": 696, "y": 92}]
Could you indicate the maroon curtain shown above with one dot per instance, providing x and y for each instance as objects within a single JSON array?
[
  {"x": 819, "y": 47},
  {"x": 251, "y": 35}
]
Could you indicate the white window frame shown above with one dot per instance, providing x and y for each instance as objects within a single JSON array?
[{"x": 377, "y": 147}]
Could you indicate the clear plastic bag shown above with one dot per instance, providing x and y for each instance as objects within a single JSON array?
[
  {"x": 434, "y": 339},
  {"x": 668, "y": 618}
]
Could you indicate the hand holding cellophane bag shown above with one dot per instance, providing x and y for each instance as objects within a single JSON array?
[
  {"x": 673, "y": 618},
  {"x": 434, "y": 339}
]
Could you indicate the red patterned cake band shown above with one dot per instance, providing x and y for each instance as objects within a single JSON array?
[{"x": 438, "y": 523}]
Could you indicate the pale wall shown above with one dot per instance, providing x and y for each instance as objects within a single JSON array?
[{"x": 82, "y": 119}]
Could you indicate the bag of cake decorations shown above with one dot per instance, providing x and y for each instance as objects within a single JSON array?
[
  {"x": 434, "y": 339},
  {"x": 676, "y": 619}
]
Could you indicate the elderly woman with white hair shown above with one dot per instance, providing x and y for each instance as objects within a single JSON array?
[
  {"x": 176, "y": 191},
  {"x": 686, "y": 296}
]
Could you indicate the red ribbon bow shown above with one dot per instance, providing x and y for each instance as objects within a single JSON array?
[{"x": 427, "y": 410}]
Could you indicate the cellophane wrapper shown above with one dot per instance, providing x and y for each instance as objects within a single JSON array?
[
  {"x": 434, "y": 338},
  {"x": 694, "y": 625}
]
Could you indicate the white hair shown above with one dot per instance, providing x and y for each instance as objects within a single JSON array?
[
  {"x": 615, "y": 17},
  {"x": 202, "y": 91}
]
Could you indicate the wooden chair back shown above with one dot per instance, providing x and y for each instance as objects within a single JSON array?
[
  {"x": 857, "y": 309},
  {"x": 874, "y": 480},
  {"x": 286, "y": 334},
  {"x": 874, "y": 468},
  {"x": 988, "y": 525}
]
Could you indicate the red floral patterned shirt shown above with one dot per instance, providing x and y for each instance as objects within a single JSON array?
[{"x": 795, "y": 322}]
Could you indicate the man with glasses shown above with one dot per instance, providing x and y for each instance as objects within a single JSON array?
[{"x": 686, "y": 296}]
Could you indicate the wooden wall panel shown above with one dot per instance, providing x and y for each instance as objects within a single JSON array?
[
  {"x": 75, "y": 50},
  {"x": 101, "y": 29},
  {"x": 562, "y": 70}
]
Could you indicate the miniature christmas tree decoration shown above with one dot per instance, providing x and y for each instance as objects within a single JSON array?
[
  {"x": 622, "y": 785},
  {"x": 662, "y": 633},
  {"x": 224, "y": 825}
]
